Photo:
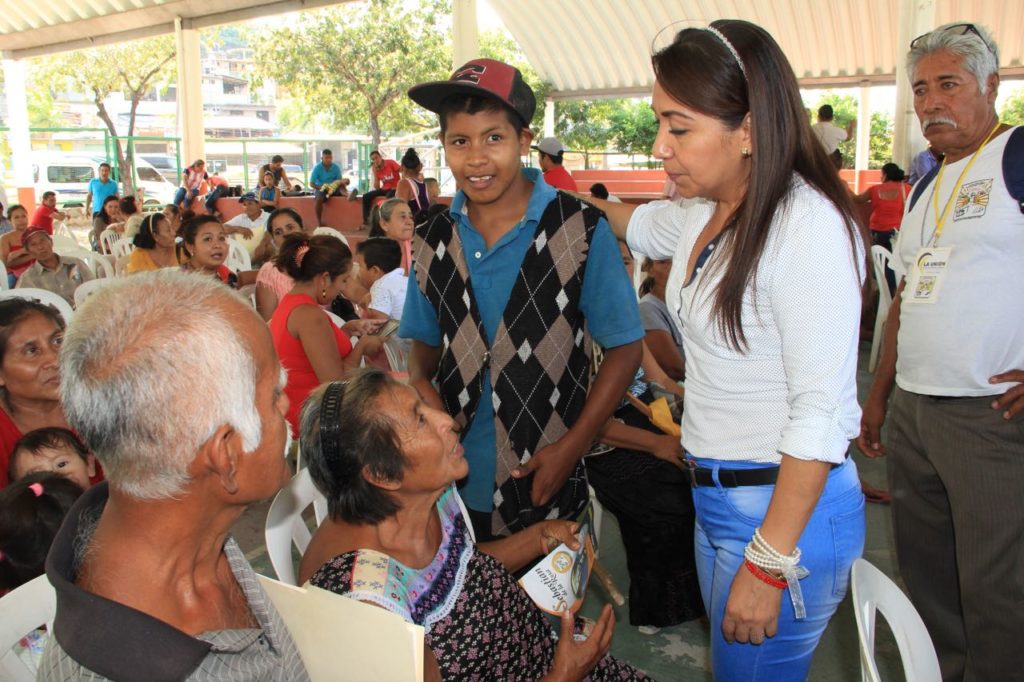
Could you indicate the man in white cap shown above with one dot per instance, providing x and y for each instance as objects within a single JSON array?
[{"x": 555, "y": 174}]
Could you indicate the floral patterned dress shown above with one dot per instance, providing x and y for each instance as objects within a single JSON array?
[{"x": 479, "y": 623}]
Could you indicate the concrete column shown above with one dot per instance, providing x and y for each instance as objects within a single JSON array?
[
  {"x": 549, "y": 118},
  {"x": 190, "y": 92},
  {"x": 464, "y": 32},
  {"x": 863, "y": 133},
  {"x": 915, "y": 17},
  {"x": 21, "y": 145}
]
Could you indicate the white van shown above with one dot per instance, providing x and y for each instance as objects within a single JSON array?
[{"x": 68, "y": 174}]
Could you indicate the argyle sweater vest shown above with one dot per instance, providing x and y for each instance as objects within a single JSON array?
[{"x": 539, "y": 359}]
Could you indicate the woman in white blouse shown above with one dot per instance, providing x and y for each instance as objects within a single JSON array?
[{"x": 766, "y": 284}]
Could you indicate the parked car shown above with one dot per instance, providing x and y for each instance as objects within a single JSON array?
[
  {"x": 68, "y": 174},
  {"x": 166, "y": 164}
]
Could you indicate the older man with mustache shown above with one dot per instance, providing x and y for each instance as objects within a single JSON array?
[{"x": 954, "y": 348}]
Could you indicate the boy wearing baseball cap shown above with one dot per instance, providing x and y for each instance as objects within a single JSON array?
[{"x": 511, "y": 284}]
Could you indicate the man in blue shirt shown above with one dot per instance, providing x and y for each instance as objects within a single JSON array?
[
  {"x": 327, "y": 182},
  {"x": 509, "y": 285},
  {"x": 99, "y": 189}
]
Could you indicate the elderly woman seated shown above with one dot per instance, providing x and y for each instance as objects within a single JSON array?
[
  {"x": 181, "y": 400},
  {"x": 396, "y": 538}
]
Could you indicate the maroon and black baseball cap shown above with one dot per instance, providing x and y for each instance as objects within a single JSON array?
[{"x": 482, "y": 78}]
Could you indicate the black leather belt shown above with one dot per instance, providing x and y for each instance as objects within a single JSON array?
[{"x": 732, "y": 478}]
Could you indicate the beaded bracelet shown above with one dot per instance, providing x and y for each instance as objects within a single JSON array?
[{"x": 765, "y": 576}]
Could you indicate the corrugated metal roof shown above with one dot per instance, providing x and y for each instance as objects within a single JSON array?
[
  {"x": 604, "y": 46},
  {"x": 33, "y": 27},
  {"x": 582, "y": 47}
]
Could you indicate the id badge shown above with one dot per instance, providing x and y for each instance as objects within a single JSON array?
[{"x": 928, "y": 272}]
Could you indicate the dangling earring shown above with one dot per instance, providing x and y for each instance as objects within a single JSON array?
[
  {"x": 745, "y": 152},
  {"x": 323, "y": 295}
]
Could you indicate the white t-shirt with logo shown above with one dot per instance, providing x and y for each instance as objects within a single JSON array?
[
  {"x": 975, "y": 328},
  {"x": 829, "y": 135}
]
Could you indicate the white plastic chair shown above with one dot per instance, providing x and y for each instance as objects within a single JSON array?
[
  {"x": 332, "y": 232},
  {"x": 63, "y": 236},
  {"x": 99, "y": 265},
  {"x": 22, "y": 611},
  {"x": 122, "y": 247},
  {"x": 880, "y": 256},
  {"x": 43, "y": 296},
  {"x": 120, "y": 264},
  {"x": 107, "y": 240},
  {"x": 4, "y": 284},
  {"x": 87, "y": 289},
  {"x": 286, "y": 527},
  {"x": 238, "y": 259},
  {"x": 873, "y": 591}
]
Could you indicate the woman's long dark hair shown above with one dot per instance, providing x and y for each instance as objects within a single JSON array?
[{"x": 699, "y": 71}]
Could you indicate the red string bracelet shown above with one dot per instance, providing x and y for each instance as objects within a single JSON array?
[{"x": 764, "y": 576}]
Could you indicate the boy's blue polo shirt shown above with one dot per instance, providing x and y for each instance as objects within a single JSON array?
[
  {"x": 607, "y": 301},
  {"x": 100, "y": 191},
  {"x": 321, "y": 176}
]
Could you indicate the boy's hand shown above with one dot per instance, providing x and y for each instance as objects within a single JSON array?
[{"x": 551, "y": 467}]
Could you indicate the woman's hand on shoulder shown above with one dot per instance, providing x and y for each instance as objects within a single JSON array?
[{"x": 575, "y": 659}]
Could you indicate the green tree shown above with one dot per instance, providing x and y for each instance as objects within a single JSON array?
[
  {"x": 585, "y": 125},
  {"x": 633, "y": 129},
  {"x": 134, "y": 69},
  {"x": 1013, "y": 110},
  {"x": 356, "y": 65}
]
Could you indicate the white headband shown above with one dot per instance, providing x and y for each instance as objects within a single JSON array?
[{"x": 725, "y": 41}]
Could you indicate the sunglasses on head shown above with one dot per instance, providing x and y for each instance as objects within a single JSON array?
[{"x": 959, "y": 29}]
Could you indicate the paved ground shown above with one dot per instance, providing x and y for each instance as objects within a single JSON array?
[{"x": 681, "y": 653}]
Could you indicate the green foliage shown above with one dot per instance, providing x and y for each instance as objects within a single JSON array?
[
  {"x": 223, "y": 38},
  {"x": 355, "y": 62},
  {"x": 845, "y": 110},
  {"x": 132, "y": 68},
  {"x": 1013, "y": 110},
  {"x": 585, "y": 125},
  {"x": 633, "y": 128}
]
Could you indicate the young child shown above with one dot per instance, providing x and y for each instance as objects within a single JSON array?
[
  {"x": 511, "y": 284},
  {"x": 31, "y": 511},
  {"x": 380, "y": 271},
  {"x": 53, "y": 450}
]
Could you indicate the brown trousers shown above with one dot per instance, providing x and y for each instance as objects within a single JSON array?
[{"x": 957, "y": 475}]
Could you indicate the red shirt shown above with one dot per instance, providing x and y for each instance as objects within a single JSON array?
[
  {"x": 43, "y": 217},
  {"x": 301, "y": 377},
  {"x": 887, "y": 202},
  {"x": 389, "y": 174},
  {"x": 559, "y": 178}
]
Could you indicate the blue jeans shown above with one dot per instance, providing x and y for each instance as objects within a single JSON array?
[
  {"x": 211, "y": 199},
  {"x": 181, "y": 194},
  {"x": 831, "y": 540}
]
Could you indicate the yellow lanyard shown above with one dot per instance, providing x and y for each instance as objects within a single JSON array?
[{"x": 940, "y": 219}]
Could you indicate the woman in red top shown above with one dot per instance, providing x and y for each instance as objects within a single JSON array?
[
  {"x": 309, "y": 345},
  {"x": 30, "y": 337},
  {"x": 887, "y": 201}
]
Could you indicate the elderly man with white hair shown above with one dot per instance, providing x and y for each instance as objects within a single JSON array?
[
  {"x": 172, "y": 381},
  {"x": 954, "y": 348}
]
